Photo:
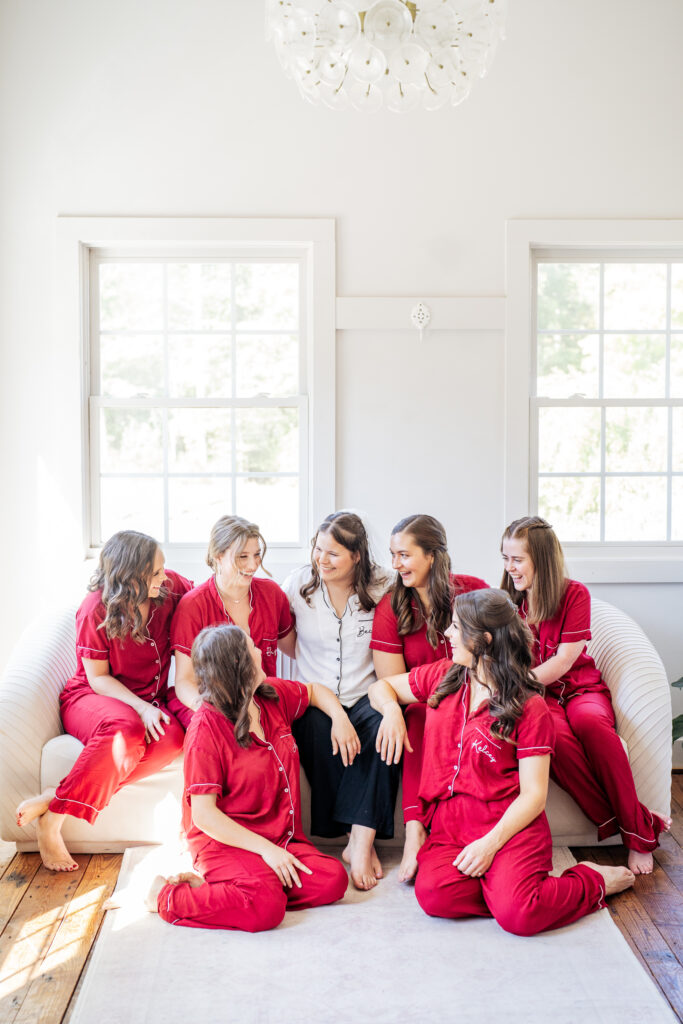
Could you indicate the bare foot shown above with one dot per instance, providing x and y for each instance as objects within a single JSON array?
[
  {"x": 53, "y": 852},
  {"x": 616, "y": 879},
  {"x": 360, "y": 855},
  {"x": 416, "y": 834},
  {"x": 665, "y": 820},
  {"x": 152, "y": 897},
  {"x": 32, "y": 808},
  {"x": 640, "y": 863}
]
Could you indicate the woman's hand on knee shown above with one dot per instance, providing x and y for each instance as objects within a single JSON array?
[
  {"x": 153, "y": 719},
  {"x": 285, "y": 865},
  {"x": 475, "y": 858},
  {"x": 344, "y": 739},
  {"x": 391, "y": 735}
]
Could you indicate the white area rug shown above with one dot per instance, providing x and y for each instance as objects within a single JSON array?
[{"x": 374, "y": 957}]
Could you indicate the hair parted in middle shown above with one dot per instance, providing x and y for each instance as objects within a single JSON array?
[
  {"x": 550, "y": 574},
  {"x": 348, "y": 530},
  {"x": 428, "y": 534},
  {"x": 231, "y": 531},
  {"x": 226, "y": 675},
  {"x": 501, "y": 645}
]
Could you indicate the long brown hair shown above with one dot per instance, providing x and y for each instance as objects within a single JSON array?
[
  {"x": 550, "y": 574},
  {"x": 500, "y": 642},
  {"x": 428, "y": 533},
  {"x": 229, "y": 531},
  {"x": 226, "y": 675},
  {"x": 348, "y": 530},
  {"x": 126, "y": 563}
]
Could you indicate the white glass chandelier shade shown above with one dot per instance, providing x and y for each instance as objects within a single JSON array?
[{"x": 393, "y": 53}]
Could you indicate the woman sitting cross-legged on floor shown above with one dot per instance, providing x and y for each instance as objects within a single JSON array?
[
  {"x": 241, "y": 804},
  {"x": 115, "y": 703},
  {"x": 487, "y": 747}
]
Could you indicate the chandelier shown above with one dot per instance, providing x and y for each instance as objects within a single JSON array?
[{"x": 393, "y": 53}]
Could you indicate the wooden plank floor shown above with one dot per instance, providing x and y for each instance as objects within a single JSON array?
[{"x": 49, "y": 923}]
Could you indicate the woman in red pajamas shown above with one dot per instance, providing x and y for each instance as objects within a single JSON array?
[
  {"x": 590, "y": 762},
  {"x": 487, "y": 747},
  {"x": 242, "y": 805},
  {"x": 233, "y": 594},
  {"x": 409, "y": 629},
  {"x": 115, "y": 704}
]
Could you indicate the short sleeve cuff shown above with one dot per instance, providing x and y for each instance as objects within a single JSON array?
[
  {"x": 92, "y": 653},
  {"x": 537, "y": 751},
  {"x": 384, "y": 645}
]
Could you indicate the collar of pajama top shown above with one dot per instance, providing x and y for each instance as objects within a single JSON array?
[
  {"x": 143, "y": 668},
  {"x": 461, "y": 755},
  {"x": 415, "y": 647},
  {"x": 269, "y": 618},
  {"x": 331, "y": 650},
  {"x": 571, "y": 623},
  {"x": 256, "y": 786}
]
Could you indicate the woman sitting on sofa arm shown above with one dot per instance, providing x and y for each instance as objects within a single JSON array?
[{"x": 115, "y": 703}]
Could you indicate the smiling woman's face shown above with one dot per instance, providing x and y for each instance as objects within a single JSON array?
[{"x": 517, "y": 563}]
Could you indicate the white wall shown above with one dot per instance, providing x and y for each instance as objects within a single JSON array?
[{"x": 169, "y": 107}]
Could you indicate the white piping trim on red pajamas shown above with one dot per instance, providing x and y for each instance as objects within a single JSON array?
[
  {"x": 300, "y": 696},
  {"x": 543, "y": 747},
  {"x": 637, "y": 836},
  {"x": 289, "y": 792},
  {"x": 613, "y": 818},
  {"x": 196, "y": 784},
  {"x": 462, "y": 733},
  {"x": 69, "y": 800},
  {"x": 573, "y": 632},
  {"x": 182, "y": 647},
  {"x": 93, "y": 650},
  {"x": 409, "y": 807},
  {"x": 387, "y": 643}
]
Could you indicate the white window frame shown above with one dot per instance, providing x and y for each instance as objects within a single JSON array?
[
  {"x": 598, "y": 562},
  {"x": 311, "y": 241}
]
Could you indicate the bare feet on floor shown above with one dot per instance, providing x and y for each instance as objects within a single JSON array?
[
  {"x": 416, "y": 835},
  {"x": 640, "y": 863},
  {"x": 361, "y": 856},
  {"x": 616, "y": 879},
  {"x": 152, "y": 897},
  {"x": 53, "y": 852},
  {"x": 30, "y": 809}
]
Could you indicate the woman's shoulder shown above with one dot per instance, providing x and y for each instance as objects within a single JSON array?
[
  {"x": 196, "y": 595},
  {"x": 264, "y": 589},
  {"x": 296, "y": 579}
]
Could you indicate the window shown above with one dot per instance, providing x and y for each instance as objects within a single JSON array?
[
  {"x": 603, "y": 398},
  {"x": 208, "y": 383}
]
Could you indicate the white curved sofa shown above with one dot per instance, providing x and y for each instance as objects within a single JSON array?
[{"x": 35, "y": 753}]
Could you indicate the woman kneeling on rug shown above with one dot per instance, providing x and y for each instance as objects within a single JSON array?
[
  {"x": 488, "y": 741},
  {"x": 242, "y": 805},
  {"x": 116, "y": 702}
]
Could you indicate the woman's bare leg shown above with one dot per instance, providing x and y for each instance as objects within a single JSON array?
[
  {"x": 416, "y": 834},
  {"x": 361, "y": 856},
  {"x": 53, "y": 851}
]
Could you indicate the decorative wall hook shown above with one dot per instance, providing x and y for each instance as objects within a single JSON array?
[{"x": 420, "y": 317}]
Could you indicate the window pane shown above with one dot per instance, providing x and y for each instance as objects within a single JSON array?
[
  {"x": 676, "y": 378},
  {"x": 267, "y": 440},
  {"x": 131, "y": 365},
  {"x": 572, "y": 506},
  {"x": 567, "y": 364},
  {"x": 677, "y": 508},
  {"x": 132, "y": 503},
  {"x": 131, "y": 297},
  {"x": 636, "y": 440},
  {"x": 677, "y": 295},
  {"x": 131, "y": 441},
  {"x": 677, "y": 440},
  {"x": 199, "y": 296},
  {"x": 635, "y": 366},
  {"x": 635, "y": 509},
  {"x": 568, "y": 296},
  {"x": 635, "y": 296},
  {"x": 268, "y": 365},
  {"x": 199, "y": 440},
  {"x": 569, "y": 440},
  {"x": 199, "y": 366},
  {"x": 267, "y": 296},
  {"x": 194, "y": 505},
  {"x": 273, "y": 504}
]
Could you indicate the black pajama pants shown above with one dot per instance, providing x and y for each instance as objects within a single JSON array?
[{"x": 363, "y": 793}]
